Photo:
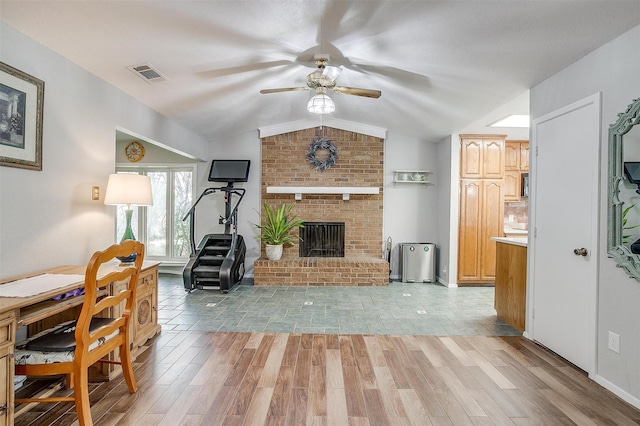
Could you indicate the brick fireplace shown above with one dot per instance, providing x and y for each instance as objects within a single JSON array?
[{"x": 359, "y": 164}]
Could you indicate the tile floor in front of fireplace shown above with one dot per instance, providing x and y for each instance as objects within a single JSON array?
[{"x": 400, "y": 308}]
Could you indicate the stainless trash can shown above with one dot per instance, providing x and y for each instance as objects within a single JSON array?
[{"x": 418, "y": 262}]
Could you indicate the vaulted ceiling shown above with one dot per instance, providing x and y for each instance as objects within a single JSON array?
[{"x": 439, "y": 64}]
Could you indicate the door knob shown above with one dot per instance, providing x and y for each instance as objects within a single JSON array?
[{"x": 580, "y": 252}]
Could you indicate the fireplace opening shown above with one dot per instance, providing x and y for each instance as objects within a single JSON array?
[{"x": 322, "y": 239}]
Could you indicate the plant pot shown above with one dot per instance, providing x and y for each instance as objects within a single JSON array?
[{"x": 274, "y": 252}]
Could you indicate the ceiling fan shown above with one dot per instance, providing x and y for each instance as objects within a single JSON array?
[{"x": 322, "y": 80}]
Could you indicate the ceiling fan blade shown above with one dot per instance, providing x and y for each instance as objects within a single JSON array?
[
  {"x": 255, "y": 66},
  {"x": 284, "y": 89},
  {"x": 358, "y": 92}
]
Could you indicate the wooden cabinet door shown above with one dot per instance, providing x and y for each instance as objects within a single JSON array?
[
  {"x": 492, "y": 226},
  {"x": 511, "y": 289},
  {"x": 145, "y": 312},
  {"x": 493, "y": 159},
  {"x": 512, "y": 185},
  {"x": 469, "y": 234},
  {"x": 524, "y": 156},
  {"x": 471, "y": 158},
  {"x": 482, "y": 157},
  {"x": 481, "y": 217},
  {"x": 512, "y": 156}
]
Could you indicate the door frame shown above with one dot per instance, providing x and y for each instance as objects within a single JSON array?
[{"x": 594, "y": 101}]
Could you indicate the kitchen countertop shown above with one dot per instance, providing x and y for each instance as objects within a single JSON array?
[
  {"x": 516, "y": 231},
  {"x": 518, "y": 241}
]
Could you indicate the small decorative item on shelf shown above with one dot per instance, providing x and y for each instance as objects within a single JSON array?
[
  {"x": 411, "y": 176},
  {"x": 276, "y": 229}
]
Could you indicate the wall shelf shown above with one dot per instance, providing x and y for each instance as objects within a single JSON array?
[
  {"x": 346, "y": 191},
  {"x": 411, "y": 176}
]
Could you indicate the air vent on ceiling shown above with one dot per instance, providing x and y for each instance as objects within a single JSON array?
[{"x": 147, "y": 73}]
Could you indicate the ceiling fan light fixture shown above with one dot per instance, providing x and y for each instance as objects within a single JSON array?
[
  {"x": 331, "y": 73},
  {"x": 321, "y": 104}
]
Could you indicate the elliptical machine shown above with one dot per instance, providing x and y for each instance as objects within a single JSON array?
[{"x": 217, "y": 263}]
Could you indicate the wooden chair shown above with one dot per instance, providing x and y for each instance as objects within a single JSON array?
[{"x": 92, "y": 345}]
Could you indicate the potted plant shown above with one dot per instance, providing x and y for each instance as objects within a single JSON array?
[{"x": 275, "y": 229}]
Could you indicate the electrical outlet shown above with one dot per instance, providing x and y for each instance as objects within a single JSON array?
[
  {"x": 614, "y": 342},
  {"x": 95, "y": 193},
  {"x": 444, "y": 270}
]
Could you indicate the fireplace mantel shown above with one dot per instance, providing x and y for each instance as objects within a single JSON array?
[{"x": 346, "y": 191}]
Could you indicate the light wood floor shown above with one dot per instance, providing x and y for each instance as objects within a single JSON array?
[{"x": 191, "y": 378}]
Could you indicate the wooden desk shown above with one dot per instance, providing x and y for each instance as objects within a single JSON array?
[{"x": 35, "y": 310}]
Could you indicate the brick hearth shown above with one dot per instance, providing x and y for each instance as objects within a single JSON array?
[
  {"x": 359, "y": 164},
  {"x": 322, "y": 271}
]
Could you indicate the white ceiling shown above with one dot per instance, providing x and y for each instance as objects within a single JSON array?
[{"x": 439, "y": 64}]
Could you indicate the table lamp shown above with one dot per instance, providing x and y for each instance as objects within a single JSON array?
[{"x": 128, "y": 189}]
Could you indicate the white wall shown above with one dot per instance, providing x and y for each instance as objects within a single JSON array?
[
  {"x": 612, "y": 70},
  {"x": 153, "y": 154},
  {"x": 243, "y": 147},
  {"x": 410, "y": 210},
  {"x": 47, "y": 217},
  {"x": 446, "y": 193}
]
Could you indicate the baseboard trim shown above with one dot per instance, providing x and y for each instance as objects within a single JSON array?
[
  {"x": 447, "y": 284},
  {"x": 624, "y": 395}
]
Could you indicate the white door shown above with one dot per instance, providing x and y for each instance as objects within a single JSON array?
[{"x": 564, "y": 207}]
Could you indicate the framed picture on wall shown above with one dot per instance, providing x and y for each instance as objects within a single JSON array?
[{"x": 21, "y": 105}]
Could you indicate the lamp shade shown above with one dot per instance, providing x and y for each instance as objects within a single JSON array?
[
  {"x": 129, "y": 189},
  {"x": 321, "y": 104}
]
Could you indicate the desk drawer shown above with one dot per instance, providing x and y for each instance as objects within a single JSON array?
[{"x": 147, "y": 280}]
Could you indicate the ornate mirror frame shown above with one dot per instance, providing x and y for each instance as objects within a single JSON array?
[{"x": 622, "y": 254}]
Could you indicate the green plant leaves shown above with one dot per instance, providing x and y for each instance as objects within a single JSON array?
[{"x": 276, "y": 225}]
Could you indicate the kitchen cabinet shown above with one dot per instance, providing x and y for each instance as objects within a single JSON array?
[
  {"x": 511, "y": 281},
  {"x": 512, "y": 185},
  {"x": 524, "y": 156},
  {"x": 482, "y": 156},
  {"x": 482, "y": 164},
  {"x": 512, "y": 156},
  {"x": 516, "y": 155},
  {"x": 481, "y": 217},
  {"x": 516, "y": 162}
]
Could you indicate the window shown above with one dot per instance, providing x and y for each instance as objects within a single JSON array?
[{"x": 160, "y": 227}]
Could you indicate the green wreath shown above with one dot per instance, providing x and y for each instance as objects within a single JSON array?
[{"x": 322, "y": 143}]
